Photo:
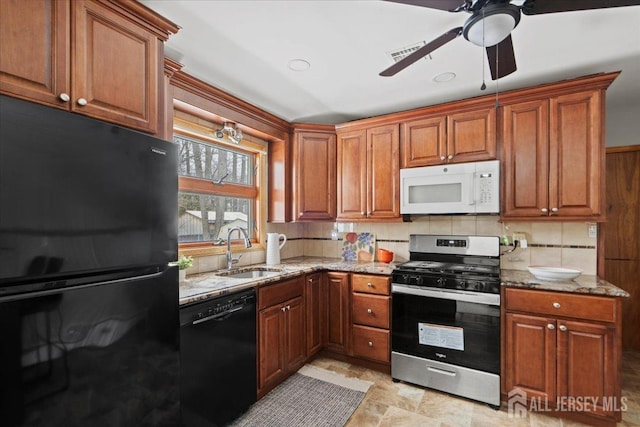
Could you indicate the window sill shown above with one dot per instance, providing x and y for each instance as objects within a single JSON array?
[{"x": 210, "y": 250}]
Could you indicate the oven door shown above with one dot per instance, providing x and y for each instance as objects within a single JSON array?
[{"x": 456, "y": 327}]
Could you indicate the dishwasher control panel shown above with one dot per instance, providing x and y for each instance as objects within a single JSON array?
[{"x": 216, "y": 307}]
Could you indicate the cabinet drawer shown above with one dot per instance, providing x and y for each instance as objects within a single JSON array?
[
  {"x": 370, "y": 310},
  {"x": 280, "y": 292},
  {"x": 371, "y": 343},
  {"x": 370, "y": 284},
  {"x": 562, "y": 304}
]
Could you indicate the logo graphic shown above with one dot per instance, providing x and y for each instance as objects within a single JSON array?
[{"x": 517, "y": 403}]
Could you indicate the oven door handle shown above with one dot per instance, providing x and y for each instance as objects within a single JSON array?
[{"x": 473, "y": 297}]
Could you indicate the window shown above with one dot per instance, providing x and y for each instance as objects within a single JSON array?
[{"x": 217, "y": 185}]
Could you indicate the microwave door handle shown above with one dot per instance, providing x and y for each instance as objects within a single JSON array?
[{"x": 472, "y": 192}]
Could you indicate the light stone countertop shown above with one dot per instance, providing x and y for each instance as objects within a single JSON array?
[
  {"x": 199, "y": 287},
  {"x": 583, "y": 284}
]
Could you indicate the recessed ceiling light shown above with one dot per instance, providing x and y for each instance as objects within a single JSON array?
[
  {"x": 444, "y": 77},
  {"x": 299, "y": 64}
]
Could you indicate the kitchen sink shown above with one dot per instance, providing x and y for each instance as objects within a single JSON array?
[{"x": 250, "y": 273}]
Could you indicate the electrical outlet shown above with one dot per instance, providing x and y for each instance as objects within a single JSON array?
[
  {"x": 593, "y": 231},
  {"x": 519, "y": 236}
]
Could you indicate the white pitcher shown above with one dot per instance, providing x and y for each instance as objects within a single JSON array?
[{"x": 274, "y": 246}]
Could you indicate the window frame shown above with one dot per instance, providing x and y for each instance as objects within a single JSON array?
[{"x": 202, "y": 130}]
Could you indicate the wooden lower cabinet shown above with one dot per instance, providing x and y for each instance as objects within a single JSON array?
[
  {"x": 564, "y": 358},
  {"x": 314, "y": 306},
  {"x": 371, "y": 317},
  {"x": 281, "y": 332},
  {"x": 337, "y": 323}
]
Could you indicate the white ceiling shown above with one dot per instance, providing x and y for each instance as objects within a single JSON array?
[{"x": 244, "y": 47}]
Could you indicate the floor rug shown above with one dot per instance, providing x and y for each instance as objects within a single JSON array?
[{"x": 310, "y": 397}]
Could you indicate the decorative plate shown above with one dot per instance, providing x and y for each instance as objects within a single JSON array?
[{"x": 358, "y": 246}]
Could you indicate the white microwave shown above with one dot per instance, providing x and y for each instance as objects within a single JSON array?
[{"x": 463, "y": 188}]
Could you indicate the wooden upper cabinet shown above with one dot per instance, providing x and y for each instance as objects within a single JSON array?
[
  {"x": 314, "y": 175},
  {"x": 116, "y": 68},
  {"x": 454, "y": 138},
  {"x": 576, "y": 155},
  {"x": 553, "y": 155},
  {"x": 368, "y": 173},
  {"x": 96, "y": 58},
  {"x": 35, "y": 48},
  {"x": 424, "y": 142},
  {"x": 352, "y": 175},
  {"x": 525, "y": 135}
]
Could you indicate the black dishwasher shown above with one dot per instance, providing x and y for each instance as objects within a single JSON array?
[{"x": 218, "y": 359}]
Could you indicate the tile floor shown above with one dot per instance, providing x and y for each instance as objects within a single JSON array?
[{"x": 389, "y": 404}]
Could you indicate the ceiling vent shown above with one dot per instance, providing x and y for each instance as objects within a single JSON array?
[{"x": 401, "y": 53}]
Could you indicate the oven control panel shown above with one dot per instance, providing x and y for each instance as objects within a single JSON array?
[{"x": 451, "y": 243}]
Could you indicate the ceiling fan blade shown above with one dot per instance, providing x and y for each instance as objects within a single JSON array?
[
  {"x": 422, "y": 52},
  {"x": 449, "y": 5},
  {"x": 502, "y": 59},
  {"x": 536, "y": 7}
]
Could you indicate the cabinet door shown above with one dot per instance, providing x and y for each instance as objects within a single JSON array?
[
  {"x": 576, "y": 155},
  {"x": 352, "y": 175},
  {"x": 424, "y": 142},
  {"x": 471, "y": 136},
  {"x": 315, "y": 176},
  {"x": 296, "y": 349},
  {"x": 115, "y": 66},
  {"x": 531, "y": 356},
  {"x": 337, "y": 311},
  {"x": 271, "y": 344},
  {"x": 383, "y": 172},
  {"x": 525, "y": 172},
  {"x": 314, "y": 308},
  {"x": 34, "y": 53},
  {"x": 587, "y": 363}
]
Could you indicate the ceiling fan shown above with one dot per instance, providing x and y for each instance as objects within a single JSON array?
[{"x": 490, "y": 26}]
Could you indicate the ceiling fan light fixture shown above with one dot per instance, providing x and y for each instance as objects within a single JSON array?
[{"x": 498, "y": 21}]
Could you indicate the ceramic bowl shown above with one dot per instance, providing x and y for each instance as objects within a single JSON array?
[{"x": 383, "y": 255}]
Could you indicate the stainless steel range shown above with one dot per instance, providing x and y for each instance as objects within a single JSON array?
[{"x": 446, "y": 316}]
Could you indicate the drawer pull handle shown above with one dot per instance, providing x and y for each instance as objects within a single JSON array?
[
  {"x": 551, "y": 326},
  {"x": 562, "y": 328},
  {"x": 369, "y": 311},
  {"x": 556, "y": 305},
  {"x": 441, "y": 371},
  {"x": 370, "y": 344},
  {"x": 369, "y": 284}
]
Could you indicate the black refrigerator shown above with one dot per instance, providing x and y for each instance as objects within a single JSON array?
[{"x": 88, "y": 304}]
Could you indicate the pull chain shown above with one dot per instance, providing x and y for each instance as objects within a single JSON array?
[{"x": 484, "y": 52}]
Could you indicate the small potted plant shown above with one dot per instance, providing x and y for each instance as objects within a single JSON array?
[{"x": 183, "y": 263}]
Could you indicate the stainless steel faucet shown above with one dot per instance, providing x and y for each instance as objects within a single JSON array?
[{"x": 247, "y": 244}]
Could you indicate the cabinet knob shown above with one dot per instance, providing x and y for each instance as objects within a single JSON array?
[
  {"x": 442, "y": 157},
  {"x": 288, "y": 307},
  {"x": 556, "y": 305},
  {"x": 363, "y": 213},
  {"x": 369, "y": 311},
  {"x": 554, "y": 210},
  {"x": 368, "y": 213},
  {"x": 563, "y": 328},
  {"x": 82, "y": 101},
  {"x": 310, "y": 280},
  {"x": 283, "y": 308},
  {"x": 300, "y": 214},
  {"x": 370, "y": 344},
  {"x": 544, "y": 210},
  {"x": 551, "y": 326},
  {"x": 64, "y": 97},
  {"x": 450, "y": 156},
  {"x": 369, "y": 284}
]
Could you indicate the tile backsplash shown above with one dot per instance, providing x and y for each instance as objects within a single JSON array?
[{"x": 563, "y": 244}]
